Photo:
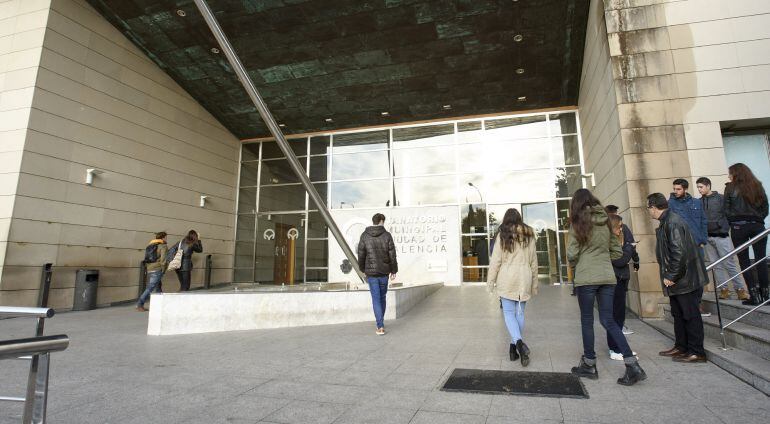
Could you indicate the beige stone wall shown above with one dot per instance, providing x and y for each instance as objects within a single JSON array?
[
  {"x": 22, "y": 28},
  {"x": 679, "y": 68},
  {"x": 100, "y": 103}
]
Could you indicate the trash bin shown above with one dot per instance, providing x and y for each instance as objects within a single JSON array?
[{"x": 86, "y": 282}]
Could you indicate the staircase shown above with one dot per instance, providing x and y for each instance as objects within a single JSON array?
[{"x": 748, "y": 340}]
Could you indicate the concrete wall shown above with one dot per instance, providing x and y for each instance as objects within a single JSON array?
[
  {"x": 679, "y": 69},
  {"x": 100, "y": 103}
]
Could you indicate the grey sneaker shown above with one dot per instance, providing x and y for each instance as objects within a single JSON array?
[{"x": 627, "y": 330}]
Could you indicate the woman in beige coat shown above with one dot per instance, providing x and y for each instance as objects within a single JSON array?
[{"x": 513, "y": 277}]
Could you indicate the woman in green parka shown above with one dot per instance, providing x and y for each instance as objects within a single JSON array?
[{"x": 590, "y": 252}]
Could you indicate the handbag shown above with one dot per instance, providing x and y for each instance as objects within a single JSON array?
[{"x": 176, "y": 263}]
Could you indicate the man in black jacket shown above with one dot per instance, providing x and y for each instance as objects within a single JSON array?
[
  {"x": 683, "y": 275},
  {"x": 377, "y": 259}
]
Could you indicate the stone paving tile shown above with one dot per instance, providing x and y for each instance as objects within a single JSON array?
[
  {"x": 459, "y": 403},
  {"x": 305, "y": 412},
  {"x": 397, "y": 398},
  {"x": 428, "y": 417},
  {"x": 525, "y": 407},
  {"x": 365, "y": 414}
]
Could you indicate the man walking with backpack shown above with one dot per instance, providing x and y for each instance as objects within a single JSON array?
[
  {"x": 377, "y": 259},
  {"x": 155, "y": 261}
]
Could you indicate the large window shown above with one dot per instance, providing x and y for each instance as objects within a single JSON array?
[{"x": 483, "y": 166}]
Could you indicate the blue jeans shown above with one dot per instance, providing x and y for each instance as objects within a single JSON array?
[
  {"x": 513, "y": 312},
  {"x": 378, "y": 287},
  {"x": 153, "y": 283},
  {"x": 605, "y": 294}
]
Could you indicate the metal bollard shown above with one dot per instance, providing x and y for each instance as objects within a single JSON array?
[
  {"x": 207, "y": 273},
  {"x": 45, "y": 286},
  {"x": 142, "y": 278}
]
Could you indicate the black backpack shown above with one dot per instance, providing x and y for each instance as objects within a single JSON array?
[{"x": 151, "y": 253}]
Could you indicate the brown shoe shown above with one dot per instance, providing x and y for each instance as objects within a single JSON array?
[
  {"x": 690, "y": 358},
  {"x": 743, "y": 294},
  {"x": 141, "y": 309},
  {"x": 724, "y": 293},
  {"x": 671, "y": 352}
]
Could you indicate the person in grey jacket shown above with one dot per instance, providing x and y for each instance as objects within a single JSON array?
[
  {"x": 719, "y": 242},
  {"x": 191, "y": 243},
  {"x": 377, "y": 259}
]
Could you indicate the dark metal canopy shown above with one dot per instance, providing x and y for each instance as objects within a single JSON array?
[{"x": 364, "y": 62}]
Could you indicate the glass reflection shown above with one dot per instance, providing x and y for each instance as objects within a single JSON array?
[
  {"x": 533, "y": 186},
  {"x": 278, "y": 172},
  {"x": 425, "y": 191},
  {"x": 473, "y": 218},
  {"x": 565, "y": 150},
  {"x": 562, "y": 213},
  {"x": 244, "y": 253},
  {"x": 360, "y": 142},
  {"x": 423, "y": 136},
  {"x": 515, "y": 128},
  {"x": 424, "y": 161},
  {"x": 245, "y": 227},
  {"x": 475, "y": 275},
  {"x": 319, "y": 168},
  {"x": 270, "y": 149},
  {"x": 316, "y": 226},
  {"x": 249, "y": 173},
  {"x": 282, "y": 198},
  {"x": 317, "y": 253},
  {"x": 563, "y": 123},
  {"x": 519, "y": 154},
  {"x": 250, "y": 151},
  {"x": 361, "y": 165},
  {"x": 320, "y": 145},
  {"x": 360, "y": 194},
  {"x": 317, "y": 275},
  {"x": 568, "y": 180},
  {"x": 475, "y": 250},
  {"x": 247, "y": 200}
]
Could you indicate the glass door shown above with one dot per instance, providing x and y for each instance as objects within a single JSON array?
[
  {"x": 280, "y": 250},
  {"x": 474, "y": 242},
  {"x": 542, "y": 218}
]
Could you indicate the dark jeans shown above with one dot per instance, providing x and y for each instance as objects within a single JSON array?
[
  {"x": 688, "y": 324},
  {"x": 618, "y": 310},
  {"x": 604, "y": 294},
  {"x": 741, "y": 234},
  {"x": 378, "y": 287},
  {"x": 184, "y": 280}
]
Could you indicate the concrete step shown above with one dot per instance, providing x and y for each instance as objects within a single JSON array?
[
  {"x": 732, "y": 309},
  {"x": 748, "y": 367},
  {"x": 754, "y": 340}
]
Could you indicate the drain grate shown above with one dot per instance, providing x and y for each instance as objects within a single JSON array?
[{"x": 523, "y": 383}]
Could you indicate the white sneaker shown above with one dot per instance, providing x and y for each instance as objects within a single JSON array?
[
  {"x": 627, "y": 331},
  {"x": 617, "y": 356}
]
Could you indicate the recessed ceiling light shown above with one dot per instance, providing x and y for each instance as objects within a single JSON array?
[
  {"x": 328, "y": 119},
  {"x": 282, "y": 125},
  {"x": 384, "y": 113},
  {"x": 447, "y": 107},
  {"x": 518, "y": 37},
  {"x": 181, "y": 13},
  {"x": 522, "y": 98},
  {"x": 214, "y": 50},
  {"x": 520, "y": 71}
]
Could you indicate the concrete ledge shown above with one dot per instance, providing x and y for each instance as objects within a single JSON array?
[{"x": 207, "y": 312}]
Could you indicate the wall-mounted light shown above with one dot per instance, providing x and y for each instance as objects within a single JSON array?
[
  {"x": 203, "y": 201},
  {"x": 592, "y": 176},
  {"x": 90, "y": 172}
]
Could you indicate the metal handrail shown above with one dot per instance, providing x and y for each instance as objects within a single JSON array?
[
  {"x": 24, "y": 311},
  {"x": 714, "y": 264},
  {"x": 12, "y": 349}
]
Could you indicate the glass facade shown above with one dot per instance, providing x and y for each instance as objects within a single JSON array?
[{"x": 483, "y": 167}]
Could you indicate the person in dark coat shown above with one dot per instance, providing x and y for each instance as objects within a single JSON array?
[
  {"x": 189, "y": 244},
  {"x": 377, "y": 259},
  {"x": 746, "y": 209},
  {"x": 683, "y": 275},
  {"x": 628, "y": 237},
  {"x": 690, "y": 209},
  {"x": 622, "y": 277}
]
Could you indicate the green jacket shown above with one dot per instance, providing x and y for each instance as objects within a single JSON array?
[
  {"x": 160, "y": 264},
  {"x": 592, "y": 262}
]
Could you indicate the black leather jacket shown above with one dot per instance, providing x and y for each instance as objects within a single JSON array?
[
  {"x": 187, "y": 252},
  {"x": 680, "y": 259},
  {"x": 738, "y": 209},
  {"x": 377, "y": 252},
  {"x": 713, "y": 207}
]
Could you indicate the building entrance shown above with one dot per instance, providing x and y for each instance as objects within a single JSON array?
[{"x": 280, "y": 250}]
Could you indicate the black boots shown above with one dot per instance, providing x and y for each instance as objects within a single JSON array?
[
  {"x": 585, "y": 370},
  {"x": 512, "y": 353},
  {"x": 524, "y": 352},
  {"x": 765, "y": 292},
  {"x": 755, "y": 296},
  {"x": 634, "y": 374}
]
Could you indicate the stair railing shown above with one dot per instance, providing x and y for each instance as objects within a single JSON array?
[{"x": 719, "y": 261}]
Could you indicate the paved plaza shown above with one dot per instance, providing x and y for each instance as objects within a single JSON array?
[{"x": 114, "y": 373}]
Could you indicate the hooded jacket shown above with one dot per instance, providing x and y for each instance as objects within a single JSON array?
[
  {"x": 679, "y": 259},
  {"x": 737, "y": 209},
  {"x": 691, "y": 211},
  {"x": 513, "y": 275},
  {"x": 716, "y": 221},
  {"x": 160, "y": 264},
  {"x": 377, "y": 252},
  {"x": 592, "y": 261}
]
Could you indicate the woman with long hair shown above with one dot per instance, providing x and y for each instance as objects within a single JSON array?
[
  {"x": 191, "y": 243},
  {"x": 745, "y": 207},
  {"x": 513, "y": 277},
  {"x": 592, "y": 247}
]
